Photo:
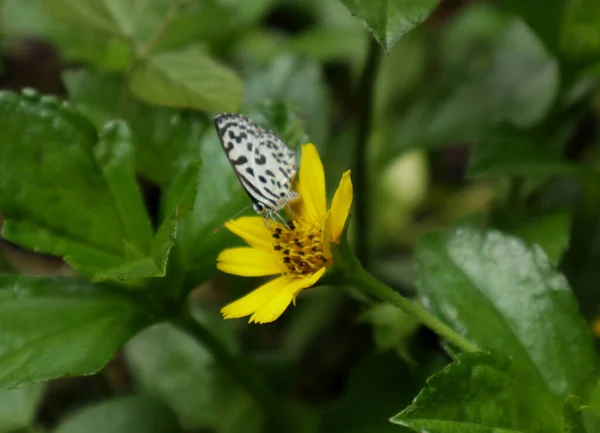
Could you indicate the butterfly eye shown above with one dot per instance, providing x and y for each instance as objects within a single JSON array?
[{"x": 257, "y": 208}]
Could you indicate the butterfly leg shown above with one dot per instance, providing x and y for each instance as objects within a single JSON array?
[
  {"x": 291, "y": 211},
  {"x": 266, "y": 221},
  {"x": 276, "y": 217}
]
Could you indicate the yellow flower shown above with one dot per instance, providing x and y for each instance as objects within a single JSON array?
[{"x": 299, "y": 252}]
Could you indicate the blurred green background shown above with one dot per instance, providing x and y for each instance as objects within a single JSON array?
[{"x": 484, "y": 114}]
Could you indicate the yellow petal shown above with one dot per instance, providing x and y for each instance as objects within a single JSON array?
[
  {"x": 249, "y": 262},
  {"x": 311, "y": 185},
  {"x": 276, "y": 304},
  {"x": 255, "y": 299},
  {"x": 253, "y": 230},
  {"x": 340, "y": 207}
]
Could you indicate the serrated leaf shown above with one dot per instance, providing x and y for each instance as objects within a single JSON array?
[
  {"x": 389, "y": 20},
  {"x": 167, "y": 139},
  {"x": 508, "y": 152},
  {"x": 479, "y": 393},
  {"x": 122, "y": 415},
  {"x": 187, "y": 78},
  {"x": 498, "y": 292},
  {"x": 83, "y": 204},
  {"x": 19, "y": 406},
  {"x": 55, "y": 327}
]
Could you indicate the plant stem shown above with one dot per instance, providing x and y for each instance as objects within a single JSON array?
[
  {"x": 367, "y": 281},
  {"x": 364, "y": 99},
  {"x": 230, "y": 363}
]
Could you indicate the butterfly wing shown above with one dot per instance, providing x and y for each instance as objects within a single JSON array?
[{"x": 264, "y": 165}]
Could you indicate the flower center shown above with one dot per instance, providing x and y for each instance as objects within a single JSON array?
[{"x": 300, "y": 247}]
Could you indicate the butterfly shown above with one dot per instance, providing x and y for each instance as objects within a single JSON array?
[{"x": 262, "y": 162}]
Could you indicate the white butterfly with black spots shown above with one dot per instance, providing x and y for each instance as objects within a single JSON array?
[{"x": 264, "y": 165}]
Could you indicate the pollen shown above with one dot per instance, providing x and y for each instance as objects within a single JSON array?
[{"x": 299, "y": 246}]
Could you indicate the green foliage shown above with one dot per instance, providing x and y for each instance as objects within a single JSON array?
[
  {"x": 84, "y": 205},
  {"x": 75, "y": 325},
  {"x": 112, "y": 17},
  {"x": 170, "y": 364},
  {"x": 481, "y": 392},
  {"x": 580, "y": 33},
  {"x": 510, "y": 153},
  {"x": 18, "y": 406},
  {"x": 485, "y": 238},
  {"x": 389, "y": 20},
  {"x": 550, "y": 231},
  {"x": 121, "y": 415},
  {"x": 166, "y": 138},
  {"x": 508, "y": 283},
  {"x": 482, "y": 53},
  {"x": 187, "y": 78}
]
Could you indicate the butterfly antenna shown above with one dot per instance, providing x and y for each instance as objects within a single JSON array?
[{"x": 229, "y": 219}]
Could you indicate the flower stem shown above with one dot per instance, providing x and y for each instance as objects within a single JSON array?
[
  {"x": 364, "y": 101},
  {"x": 238, "y": 370},
  {"x": 375, "y": 287}
]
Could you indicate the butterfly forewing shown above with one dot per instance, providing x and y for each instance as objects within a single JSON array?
[{"x": 262, "y": 162}]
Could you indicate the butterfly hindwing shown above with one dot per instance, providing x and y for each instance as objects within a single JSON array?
[{"x": 264, "y": 165}]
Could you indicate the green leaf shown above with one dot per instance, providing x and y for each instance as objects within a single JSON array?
[
  {"x": 187, "y": 78},
  {"x": 84, "y": 205},
  {"x": 551, "y": 232},
  {"x": 580, "y": 35},
  {"x": 114, "y": 17},
  {"x": 389, "y": 20},
  {"x": 501, "y": 294},
  {"x": 167, "y": 139},
  {"x": 508, "y": 152},
  {"x": 55, "y": 327},
  {"x": 19, "y": 406},
  {"x": 481, "y": 392},
  {"x": 170, "y": 364},
  {"x": 114, "y": 154},
  {"x": 122, "y": 415}
]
